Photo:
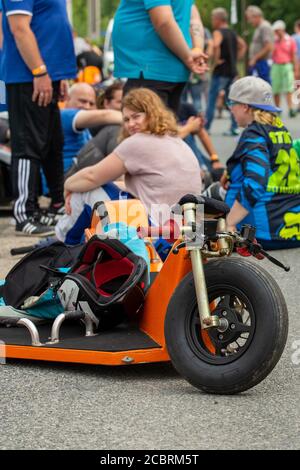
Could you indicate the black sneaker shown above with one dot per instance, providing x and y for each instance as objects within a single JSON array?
[
  {"x": 51, "y": 216},
  {"x": 32, "y": 228},
  {"x": 231, "y": 133},
  {"x": 292, "y": 113}
]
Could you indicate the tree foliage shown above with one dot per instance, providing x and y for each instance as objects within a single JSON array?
[
  {"x": 80, "y": 17},
  {"x": 274, "y": 10},
  {"x": 108, "y": 8}
]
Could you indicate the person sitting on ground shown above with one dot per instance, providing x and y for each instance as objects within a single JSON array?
[
  {"x": 105, "y": 137},
  {"x": 78, "y": 116},
  {"x": 108, "y": 97},
  {"x": 192, "y": 124},
  {"x": 159, "y": 167},
  {"x": 296, "y": 145},
  {"x": 264, "y": 174}
]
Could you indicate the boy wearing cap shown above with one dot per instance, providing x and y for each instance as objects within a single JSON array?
[
  {"x": 285, "y": 65},
  {"x": 264, "y": 174}
]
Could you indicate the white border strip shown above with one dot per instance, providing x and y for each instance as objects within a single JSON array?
[{"x": 18, "y": 12}]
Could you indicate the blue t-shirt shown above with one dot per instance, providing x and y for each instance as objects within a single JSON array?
[
  {"x": 265, "y": 178},
  {"x": 138, "y": 48},
  {"x": 3, "y": 106},
  {"x": 297, "y": 39},
  {"x": 74, "y": 139},
  {"x": 51, "y": 27}
]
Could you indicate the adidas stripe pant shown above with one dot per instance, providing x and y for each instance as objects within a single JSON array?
[{"x": 36, "y": 142}]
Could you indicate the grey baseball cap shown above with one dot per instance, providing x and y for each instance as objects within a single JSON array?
[
  {"x": 255, "y": 92},
  {"x": 279, "y": 24}
]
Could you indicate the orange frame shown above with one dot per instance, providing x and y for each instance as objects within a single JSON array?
[{"x": 151, "y": 320}]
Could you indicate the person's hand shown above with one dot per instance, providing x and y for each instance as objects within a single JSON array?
[
  {"x": 197, "y": 61},
  {"x": 42, "y": 90},
  {"x": 224, "y": 181},
  {"x": 202, "y": 117},
  {"x": 63, "y": 90},
  {"x": 68, "y": 208},
  {"x": 230, "y": 228},
  {"x": 194, "y": 124},
  {"x": 252, "y": 62},
  {"x": 216, "y": 165}
]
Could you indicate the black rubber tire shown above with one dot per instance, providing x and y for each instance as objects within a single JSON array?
[{"x": 268, "y": 339}]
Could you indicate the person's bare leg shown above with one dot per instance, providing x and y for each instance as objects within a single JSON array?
[
  {"x": 289, "y": 100},
  {"x": 277, "y": 100},
  {"x": 206, "y": 141},
  {"x": 209, "y": 147}
]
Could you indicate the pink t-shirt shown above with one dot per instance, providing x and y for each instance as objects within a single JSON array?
[
  {"x": 284, "y": 50},
  {"x": 160, "y": 169}
]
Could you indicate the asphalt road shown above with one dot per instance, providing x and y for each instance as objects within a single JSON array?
[{"x": 63, "y": 406}]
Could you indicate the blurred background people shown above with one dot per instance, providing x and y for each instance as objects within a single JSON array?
[
  {"x": 285, "y": 66},
  {"x": 197, "y": 86},
  {"x": 261, "y": 46},
  {"x": 153, "y": 43},
  {"x": 228, "y": 49},
  {"x": 35, "y": 66}
]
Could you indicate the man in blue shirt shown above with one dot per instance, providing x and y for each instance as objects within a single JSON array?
[
  {"x": 79, "y": 115},
  {"x": 38, "y": 55},
  {"x": 153, "y": 42},
  {"x": 3, "y": 106}
]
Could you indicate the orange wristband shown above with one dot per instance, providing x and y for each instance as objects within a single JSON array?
[
  {"x": 197, "y": 49},
  {"x": 42, "y": 69}
]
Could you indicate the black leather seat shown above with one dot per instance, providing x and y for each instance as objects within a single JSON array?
[{"x": 211, "y": 206}]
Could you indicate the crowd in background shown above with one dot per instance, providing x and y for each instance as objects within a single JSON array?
[{"x": 59, "y": 130}]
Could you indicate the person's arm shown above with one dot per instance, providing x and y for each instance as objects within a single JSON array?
[
  {"x": 254, "y": 158},
  {"x": 296, "y": 65},
  {"x": 297, "y": 72},
  {"x": 236, "y": 215},
  {"x": 295, "y": 58},
  {"x": 210, "y": 47},
  {"x": 92, "y": 177},
  {"x": 165, "y": 25},
  {"x": 268, "y": 45},
  {"x": 28, "y": 47},
  {"x": 242, "y": 48},
  {"x": 196, "y": 29},
  {"x": 96, "y": 117},
  {"x": 1, "y": 32},
  {"x": 217, "y": 41},
  {"x": 191, "y": 126},
  {"x": 267, "y": 49},
  {"x": 209, "y": 147}
]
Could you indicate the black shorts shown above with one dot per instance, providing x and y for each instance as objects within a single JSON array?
[
  {"x": 33, "y": 128},
  {"x": 169, "y": 92}
]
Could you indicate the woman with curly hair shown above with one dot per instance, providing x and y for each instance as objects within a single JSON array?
[{"x": 158, "y": 166}]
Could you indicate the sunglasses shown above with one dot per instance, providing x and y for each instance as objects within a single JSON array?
[{"x": 231, "y": 103}]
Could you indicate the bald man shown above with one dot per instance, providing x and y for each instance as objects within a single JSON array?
[
  {"x": 80, "y": 113},
  {"x": 78, "y": 116}
]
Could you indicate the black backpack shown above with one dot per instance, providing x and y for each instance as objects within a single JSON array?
[
  {"x": 108, "y": 280},
  {"x": 30, "y": 276}
]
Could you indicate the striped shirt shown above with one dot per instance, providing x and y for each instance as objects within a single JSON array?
[{"x": 265, "y": 178}]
